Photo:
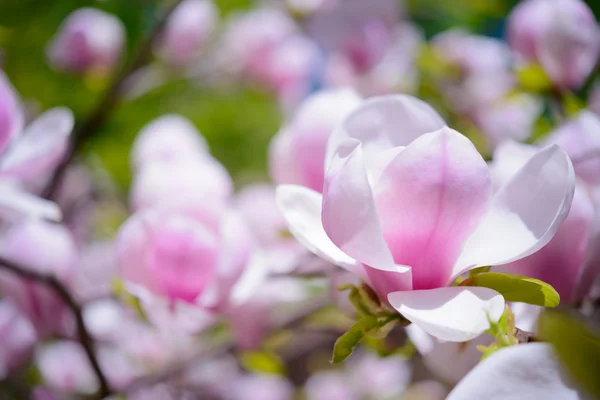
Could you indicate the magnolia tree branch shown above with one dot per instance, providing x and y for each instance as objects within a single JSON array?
[
  {"x": 107, "y": 104},
  {"x": 61, "y": 291}
]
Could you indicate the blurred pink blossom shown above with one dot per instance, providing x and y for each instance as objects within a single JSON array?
[
  {"x": 385, "y": 205},
  {"x": 88, "y": 40},
  {"x": 55, "y": 254},
  {"x": 17, "y": 337},
  {"x": 11, "y": 114},
  {"x": 561, "y": 35},
  {"x": 187, "y": 30}
]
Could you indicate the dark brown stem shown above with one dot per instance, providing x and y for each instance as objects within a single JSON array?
[
  {"x": 83, "y": 335},
  {"x": 106, "y": 105}
]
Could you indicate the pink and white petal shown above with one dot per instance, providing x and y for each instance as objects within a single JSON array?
[
  {"x": 453, "y": 314},
  {"x": 509, "y": 157},
  {"x": 11, "y": 113},
  {"x": 41, "y": 146},
  {"x": 301, "y": 208},
  {"x": 283, "y": 165},
  {"x": 526, "y": 212},
  {"x": 429, "y": 200},
  {"x": 384, "y": 122},
  {"x": 14, "y": 200},
  {"x": 349, "y": 215},
  {"x": 527, "y": 371}
]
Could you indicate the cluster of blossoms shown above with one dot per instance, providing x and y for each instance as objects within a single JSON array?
[{"x": 405, "y": 172}]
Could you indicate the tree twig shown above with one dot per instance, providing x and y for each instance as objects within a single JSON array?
[
  {"x": 83, "y": 335},
  {"x": 106, "y": 105}
]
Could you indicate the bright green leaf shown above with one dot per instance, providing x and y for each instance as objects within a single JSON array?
[
  {"x": 517, "y": 288},
  {"x": 262, "y": 362},
  {"x": 533, "y": 78},
  {"x": 577, "y": 347},
  {"x": 346, "y": 343}
]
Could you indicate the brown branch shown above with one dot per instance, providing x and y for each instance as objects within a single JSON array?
[
  {"x": 82, "y": 333},
  {"x": 106, "y": 105}
]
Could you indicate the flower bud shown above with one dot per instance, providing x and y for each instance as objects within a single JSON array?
[
  {"x": 88, "y": 40},
  {"x": 46, "y": 248},
  {"x": 297, "y": 153},
  {"x": 187, "y": 29},
  {"x": 561, "y": 35}
]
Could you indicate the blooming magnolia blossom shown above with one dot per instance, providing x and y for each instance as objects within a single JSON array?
[
  {"x": 187, "y": 30},
  {"x": 55, "y": 254},
  {"x": 297, "y": 152},
  {"x": 88, "y": 40},
  {"x": 561, "y": 35},
  {"x": 408, "y": 206},
  {"x": 527, "y": 371}
]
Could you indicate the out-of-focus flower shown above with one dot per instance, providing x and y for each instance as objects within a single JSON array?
[
  {"x": 183, "y": 258},
  {"x": 46, "y": 248},
  {"x": 571, "y": 254},
  {"x": 11, "y": 115},
  {"x": 297, "y": 153},
  {"x": 561, "y": 35},
  {"x": 580, "y": 139},
  {"x": 16, "y": 335},
  {"x": 329, "y": 385},
  {"x": 483, "y": 65},
  {"x": 264, "y": 387},
  {"x": 517, "y": 372},
  {"x": 169, "y": 139},
  {"x": 187, "y": 30},
  {"x": 89, "y": 40},
  {"x": 394, "y": 192},
  {"x": 522, "y": 111},
  {"x": 96, "y": 271}
]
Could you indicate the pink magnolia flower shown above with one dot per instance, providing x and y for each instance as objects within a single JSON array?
[
  {"x": 184, "y": 258},
  {"x": 170, "y": 138},
  {"x": 55, "y": 253},
  {"x": 11, "y": 114},
  {"x": 297, "y": 153},
  {"x": 527, "y": 371},
  {"x": 569, "y": 262},
  {"x": 17, "y": 337},
  {"x": 408, "y": 205},
  {"x": 187, "y": 30},
  {"x": 265, "y": 387},
  {"x": 561, "y": 35},
  {"x": 88, "y": 40}
]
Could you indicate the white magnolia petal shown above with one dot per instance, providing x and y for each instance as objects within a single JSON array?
[
  {"x": 301, "y": 208},
  {"x": 526, "y": 212},
  {"x": 15, "y": 200},
  {"x": 454, "y": 314},
  {"x": 527, "y": 371}
]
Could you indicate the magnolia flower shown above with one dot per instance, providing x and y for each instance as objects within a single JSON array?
[
  {"x": 527, "y": 371},
  {"x": 569, "y": 262},
  {"x": 297, "y": 152},
  {"x": 88, "y": 40},
  {"x": 169, "y": 138},
  {"x": 46, "y": 248},
  {"x": 187, "y": 29},
  {"x": 16, "y": 335},
  {"x": 408, "y": 206},
  {"x": 264, "y": 387},
  {"x": 184, "y": 258},
  {"x": 561, "y": 35}
]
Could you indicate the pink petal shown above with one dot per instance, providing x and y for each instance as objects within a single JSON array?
[
  {"x": 11, "y": 114},
  {"x": 454, "y": 314},
  {"x": 526, "y": 212},
  {"x": 41, "y": 146},
  {"x": 429, "y": 200}
]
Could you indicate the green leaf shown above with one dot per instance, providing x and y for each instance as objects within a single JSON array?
[
  {"x": 346, "y": 343},
  {"x": 577, "y": 347},
  {"x": 516, "y": 288},
  {"x": 262, "y": 362}
]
